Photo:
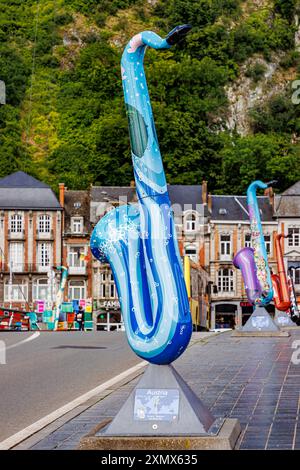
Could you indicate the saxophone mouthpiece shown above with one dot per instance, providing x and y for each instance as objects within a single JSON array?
[
  {"x": 178, "y": 33},
  {"x": 272, "y": 183}
]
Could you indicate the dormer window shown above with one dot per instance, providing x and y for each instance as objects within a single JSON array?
[
  {"x": 77, "y": 225},
  {"x": 190, "y": 222},
  {"x": 222, "y": 211},
  {"x": 191, "y": 251},
  {"x": 248, "y": 243}
]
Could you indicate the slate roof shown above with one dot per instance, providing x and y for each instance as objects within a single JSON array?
[
  {"x": 190, "y": 195},
  {"x": 186, "y": 195},
  {"x": 236, "y": 208},
  {"x": 288, "y": 203},
  {"x": 21, "y": 191},
  {"x": 293, "y": 190},
  {"x": 112, "y": 193}
]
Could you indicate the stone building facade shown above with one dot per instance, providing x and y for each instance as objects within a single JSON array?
[
  {"x": 287, "y": 207},
  {"x": 76, "y": 253},
  {"x": 39, "y": 233},
  {"x": 30, "y": 240},
  {"x": 228, "y": 232},
  {"x": 188, "y": 211}
]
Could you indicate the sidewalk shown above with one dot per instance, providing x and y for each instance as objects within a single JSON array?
[{"x": 252, "y": 379}]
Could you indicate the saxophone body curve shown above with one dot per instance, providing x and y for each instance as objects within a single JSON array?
[
  {"x": 139, "y": 240},
  {"x": 253, "y": 262}
]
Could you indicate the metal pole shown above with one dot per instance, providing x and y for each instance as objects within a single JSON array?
[{"x": 10, "y": 284}]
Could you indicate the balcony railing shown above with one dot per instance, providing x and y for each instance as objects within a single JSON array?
[
  {"x": 16, "y": 235},
  {"x": 44, "y": 235},
  {"x": 77, "y": 270},
  {"x": 25, "y": 268}
]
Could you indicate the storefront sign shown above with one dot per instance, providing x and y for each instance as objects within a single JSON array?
[
  {"x": 40, "y": 306},
  {"x": 110, "y": 304}
]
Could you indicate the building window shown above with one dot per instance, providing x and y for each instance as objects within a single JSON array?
[
  {"x": 103, "y": 285},
  {"x": 294, "y": 237},
  {"x": 44, "y": 255},
  {"x": 16, "y": 223},
  {"x": 191, "y": 252},
  {"x": 225, "y": 280},
  {"x": 295, "y": 274},
  {"x": 225, "y": 245},
  {"x": 77, "y": 224},
  {"x": 112, "y": 287},
  {"x": 44, "y": 223},
  {"x": 112, "y": 291},
  {"x": 268, "y": 243},
  {"x": 190, "y": 223},
  {"x": 107, "y": 286},
  {"x": 16, "y": 292},
  {"x": 248, "y": 240},
  {"x": 16, "y": 256},
  {"x": 41, "y": 289},
  {"x": 76, "y": 256},
  {"x": 76, "y": 290},
  {"x": 103, "y": 291}
]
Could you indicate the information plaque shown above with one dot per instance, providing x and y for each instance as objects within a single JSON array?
[
  {"x": 156, "y": 404},
  {"x": 260, "y": 322}
]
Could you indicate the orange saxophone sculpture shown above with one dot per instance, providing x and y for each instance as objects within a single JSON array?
[{"x": 279, "y": 281}]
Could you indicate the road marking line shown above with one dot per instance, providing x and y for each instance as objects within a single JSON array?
[
  {"x": 20, "y": 436},
  {"x": 26, "y": 340}
]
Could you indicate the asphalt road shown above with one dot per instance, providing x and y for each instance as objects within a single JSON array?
[{"x": 52, "y": 369}]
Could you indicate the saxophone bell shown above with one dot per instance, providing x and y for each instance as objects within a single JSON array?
[{"x": 244, "y": 260}]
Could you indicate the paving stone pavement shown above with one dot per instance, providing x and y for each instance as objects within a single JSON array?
[{"x": 252, "y": 379}]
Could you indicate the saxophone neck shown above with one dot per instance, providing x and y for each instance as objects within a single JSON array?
[
  {"x": 140, "y": 41},
  {"x": 252, "y": 189},
  {"x": 147, "y": 162}
]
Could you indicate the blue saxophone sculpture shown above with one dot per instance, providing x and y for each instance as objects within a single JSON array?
[
  {"x": 139, "y": 240},
  {"x": 253, "y": 262}
]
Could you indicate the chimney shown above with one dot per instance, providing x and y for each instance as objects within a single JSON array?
[
  {"x": 209, "y": 202},
  {"x": 132, "y": 184},
  {"x": 270, "y": 194},
  {"x": 204, "y": 192},
  {"x": 62, "y": 194}
]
